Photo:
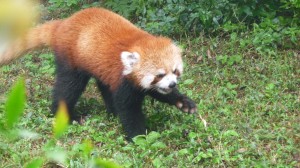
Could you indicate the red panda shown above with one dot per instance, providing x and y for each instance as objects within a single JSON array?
[{"x": 127, "y": 62}]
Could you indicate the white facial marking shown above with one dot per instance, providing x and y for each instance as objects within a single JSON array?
[
  {"x": 180, "y": 68},
  {"x": 146, "y": 81},
  {"x": 174, "y": 67},
  {"x": 129, "y": 60},
  {"x": 166, "y": 81},
  {"x": 161, "y": 71}
]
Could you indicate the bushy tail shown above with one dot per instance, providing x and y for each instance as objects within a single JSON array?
[{"x": 35, "y": 37}]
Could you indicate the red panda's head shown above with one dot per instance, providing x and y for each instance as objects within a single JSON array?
[{"x": 153, "y": 63}]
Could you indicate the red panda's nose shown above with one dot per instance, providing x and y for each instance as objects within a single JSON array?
[{"x": 172, "y": 85}]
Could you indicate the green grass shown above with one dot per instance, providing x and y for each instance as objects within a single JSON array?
[{"x": 249, "y": 99}]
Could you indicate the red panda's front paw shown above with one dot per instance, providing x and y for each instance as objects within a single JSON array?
[{"x": 186, "y": 105}]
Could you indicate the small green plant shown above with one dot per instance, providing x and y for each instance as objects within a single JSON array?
[
  {"x": 146, "y": 145},
  {"x": 229, "y": 60},
  {"x": 149, "y": 142},
  {"x": 228, "y": 92}
]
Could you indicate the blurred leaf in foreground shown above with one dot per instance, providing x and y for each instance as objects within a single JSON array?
[
  {"x": 105, "y": 164},
  {"x": 61, "y": 120},
  {"x": 15, "y": 103},
  {"x": 35, "y": 163}
]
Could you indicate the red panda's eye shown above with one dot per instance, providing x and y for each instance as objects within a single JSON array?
[
  {"x": 176, "y": 72},
  {"x": 160, "y": 75}
]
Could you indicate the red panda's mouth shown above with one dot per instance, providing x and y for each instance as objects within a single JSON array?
[{"x": 164, "y": 90}]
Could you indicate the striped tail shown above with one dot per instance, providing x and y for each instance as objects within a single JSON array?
[{"x": 35, "y": 37}]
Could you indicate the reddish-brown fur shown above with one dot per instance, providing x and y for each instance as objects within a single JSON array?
[{"x": 93, "y": 40}]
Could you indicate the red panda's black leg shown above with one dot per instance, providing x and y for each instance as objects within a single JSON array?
[
  {"x": 181, "y": 101},
  {"x": 69, "y": 85},
  {"x": 128, "y": 104},
  {"x": 107, "y": 97}
]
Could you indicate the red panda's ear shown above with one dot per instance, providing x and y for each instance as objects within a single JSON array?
[{"x": 129, "y": 60}]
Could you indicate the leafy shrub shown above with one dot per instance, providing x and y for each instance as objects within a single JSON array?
[
  {"x": 179, "y": 17},
  {"x": 66, "y": 7},
  {"x": 277, "y": 19}
]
